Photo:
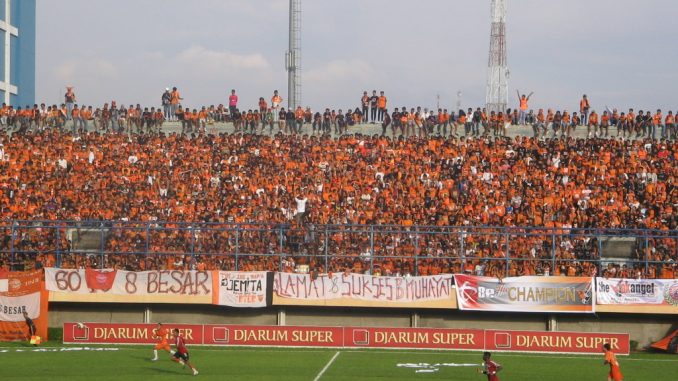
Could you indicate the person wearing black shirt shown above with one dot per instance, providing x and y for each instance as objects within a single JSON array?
[
  {"x": 386, "y": 123},
  {"x": 31, "y": 327},
  {"x": 341, "y": 123},
  {"x": 326, "y": 121},
  {"x": 365, "y": 102},
  {"x": 290, "y": 121},
  {"x": 374, "y": 100},
  {"x": 395, "y": 119}
]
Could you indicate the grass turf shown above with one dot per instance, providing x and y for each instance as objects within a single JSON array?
[{"x": 19, "y": 361}]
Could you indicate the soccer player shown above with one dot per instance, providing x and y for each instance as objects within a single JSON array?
[
  {"x": 610, "y": 358},
  {"x": 161, "y": 334},
  {"x": 181, "y": 355},
  {"x": 490, "y": 368}
]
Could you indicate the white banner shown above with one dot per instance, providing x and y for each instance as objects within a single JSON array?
[
  {"x": 241, "y": 288},
  {"x": 640, "y": 291},
  {"x": 119, "y": 282},
  {"x": 363, "y": 287},
  {"x": 13, "y": 307}
]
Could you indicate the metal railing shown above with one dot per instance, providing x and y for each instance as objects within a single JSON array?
[{"x": 332, "y": 247}]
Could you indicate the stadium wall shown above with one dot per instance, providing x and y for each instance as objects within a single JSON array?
[{"x": 642, "y": 328}]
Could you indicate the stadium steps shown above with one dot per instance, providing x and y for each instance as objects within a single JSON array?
[
  {"x": 87, "y": 240},
  {"x": 617, "y": 247}
]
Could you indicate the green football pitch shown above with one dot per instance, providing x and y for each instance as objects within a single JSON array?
[{"x": 20, "y": 361}]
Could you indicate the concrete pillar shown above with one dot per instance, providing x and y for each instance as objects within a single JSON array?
[{"x": 281, "y": 318}]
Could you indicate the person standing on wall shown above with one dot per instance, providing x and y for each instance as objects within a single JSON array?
[
  {"x": 232, "y": 102},
  {"x": 523, "y": 107},
  {"x": 175, "y": 100},
  {"x": 381, "y": 104},
  {"x": 166, "y": 108},
  {"x": 69, "y": 99},
  {"x": 276, "y": 101},
  {"x": 584, "y": 107},
  {"x": 374, "y": 101},
  {"x": 365, "y": 103}
]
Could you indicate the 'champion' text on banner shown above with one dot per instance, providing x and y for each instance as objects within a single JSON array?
[{"x": 525, "y": 294}]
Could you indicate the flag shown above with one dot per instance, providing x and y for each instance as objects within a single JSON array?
[
  {"x": 4, "y": 280},
  {"x": 99, "y": 280}
]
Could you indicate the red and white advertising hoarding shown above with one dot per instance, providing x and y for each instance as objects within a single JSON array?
[{"x": 353, "y": 337}]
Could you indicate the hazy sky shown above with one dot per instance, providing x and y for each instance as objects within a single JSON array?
[{"x": 621, "y": 53}]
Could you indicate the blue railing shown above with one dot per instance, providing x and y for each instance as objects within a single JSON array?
[{"x": 235, "y": 246}]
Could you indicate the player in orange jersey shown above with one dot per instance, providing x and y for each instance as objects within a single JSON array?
[
  {"x": 160, "y": 333},
  {"x": 610, "y": 358}
]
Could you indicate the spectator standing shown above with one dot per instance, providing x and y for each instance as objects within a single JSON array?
[
  {"x": 374, "y": 101},
  {"x": 523, "y": 106},
  {"x": 276, "y": 100},
  {"x": 584, "y": 107},
  {"x": 365, "y": 102},
  {"x": 175, "y": 100},
  {"x": 232, "y": 102},
  {"x": 381, "y": 104},
  {"x": 70, "y": 100},
  {"x": 166, "y": 107}
]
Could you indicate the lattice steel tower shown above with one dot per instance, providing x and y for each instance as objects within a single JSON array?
[
  {"x": 293, "y": 57},
  {"x": 496, "y": 97}
]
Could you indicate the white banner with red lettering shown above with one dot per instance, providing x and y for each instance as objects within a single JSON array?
[
  {"x": 240, "y": 288},
  {"x": 637, "y": 291},
  {"x": 363, "y": 287},
  {"x": 129, "y": 283}
]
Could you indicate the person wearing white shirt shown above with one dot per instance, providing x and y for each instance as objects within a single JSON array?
[{"x": 301, "y": 208}]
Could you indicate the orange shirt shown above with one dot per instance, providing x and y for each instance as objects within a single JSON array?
[
  {"x": 611, "y": 359},
  {"x": 584, "y": 103},
  {"x": 593, "y": 118},
  {"x": 161, "y": 335},
  {"x": 657, "y": 119}
]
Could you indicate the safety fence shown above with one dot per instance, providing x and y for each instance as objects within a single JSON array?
[{"x": 374, "y": 249}]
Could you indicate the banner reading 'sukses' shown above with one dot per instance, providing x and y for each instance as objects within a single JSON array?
[
  {"x": 361, "y": 290},
  {"x": 525, "y": 294}
]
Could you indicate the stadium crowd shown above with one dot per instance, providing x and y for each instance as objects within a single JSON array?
[
  {"x": 274, "y": 118},
  {"x": 285, "y": 188}
]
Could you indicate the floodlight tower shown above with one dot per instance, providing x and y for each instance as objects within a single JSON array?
[
  {"x": 293, "y": 57},
  {"x": 496, "y": 97}
]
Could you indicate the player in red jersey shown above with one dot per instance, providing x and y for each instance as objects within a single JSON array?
[
  {"x": 490, "y": 368},
  {"x": 181, "y": 355},
  {"x": 610, "y": 358},
  {"x": 160, "y": 333}
]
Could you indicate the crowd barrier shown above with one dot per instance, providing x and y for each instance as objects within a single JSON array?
[{"x": 236, "y": 247}]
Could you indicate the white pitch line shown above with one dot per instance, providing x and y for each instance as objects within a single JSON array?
[
  {"x": 326, "y": 366},
  {"x": 586, "y": 356}
]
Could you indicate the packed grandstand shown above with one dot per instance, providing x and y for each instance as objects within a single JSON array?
[{"x": 430, "y": 192}]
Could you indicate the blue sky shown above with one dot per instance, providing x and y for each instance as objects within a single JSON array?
[{"x": 621, "y": 53}]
